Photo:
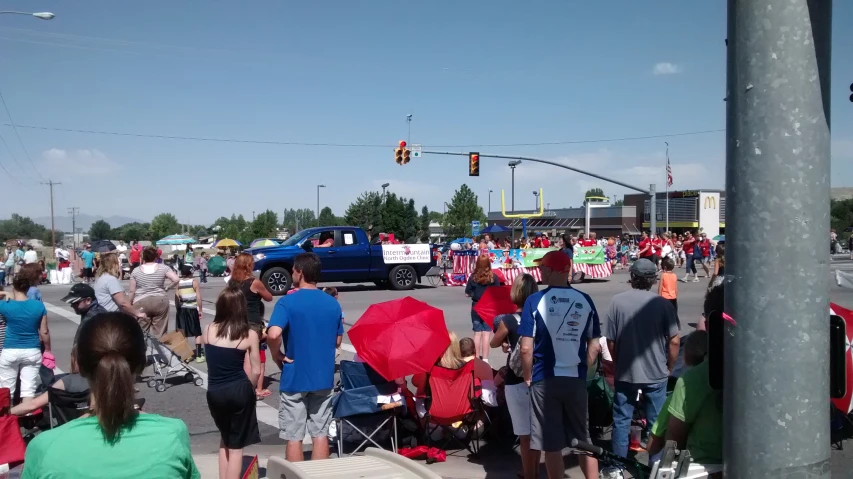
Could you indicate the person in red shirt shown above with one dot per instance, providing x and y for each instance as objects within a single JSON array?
[
  {"x": 537, "y": 243},
  {"x": 689, "y": 246},
  {"x": 647, "y": 249},
  {"x": 135, "y": 253},
  {"x": 705, "y": 247},
  {"x": 545, "y": 242}
]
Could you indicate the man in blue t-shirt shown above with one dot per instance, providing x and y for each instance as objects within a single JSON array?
[
  {"x": 88, "y": 263},
  {"x": 559, "y": 332},
  {"x": 310, "y": 320}
]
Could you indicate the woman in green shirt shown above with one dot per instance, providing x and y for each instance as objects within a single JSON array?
[{"x": 113, "y": 439}]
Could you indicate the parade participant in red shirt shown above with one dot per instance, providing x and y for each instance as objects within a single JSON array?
[
  {"x": 705, "y": 247},
  {"x": 545, "y": 242},
  {"x": 537, "y": 243},
  {"x": 689, "y": 246},
  {"x": 135, "y": 255},
  {"x": 646, "y": 246}
]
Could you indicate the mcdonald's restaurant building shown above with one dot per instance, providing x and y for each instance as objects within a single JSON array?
[{"x": 689, "y": 210}]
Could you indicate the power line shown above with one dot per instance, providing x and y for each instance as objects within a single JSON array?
[
  {"x": 15, "y": 128},
  {"x": 115, "y": 41},
  {"x": 359, "y": 145},
  {"x": 9, "y": 150}
]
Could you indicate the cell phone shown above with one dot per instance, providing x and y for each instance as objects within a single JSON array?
[{"x": 837, "y": 357}]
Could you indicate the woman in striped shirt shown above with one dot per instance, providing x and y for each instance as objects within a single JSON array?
[{"x": 148, "y": 292}]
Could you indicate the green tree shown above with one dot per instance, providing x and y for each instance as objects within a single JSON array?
[
  {"x": 841, "y": 215},
  {"x": 328, "y": 218},
  {"x": 435, "y": 216},
  {"x": 131, "y": 232},
  {"x": 366, "y": 211},
  {"x": 619, "y": 203},
  {"x": 298, "y": 219},
  {"x": 48, "y": 236},
  {"x": 424, "y": 227},
  {"x": 21, "y": 227},
  {"x": 164, "y": 224},
  {"x": 100, "y": 230},
  {"x": 594, "y": 192},
  {"x": 461, "y": 211},
  {"x": 265, "y": 225}
]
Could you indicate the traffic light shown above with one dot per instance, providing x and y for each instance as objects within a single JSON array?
[
  {"x": 401, "y": 154},
  {"x": 851, "y": 92},
  {"x": 473, "y": 164}
]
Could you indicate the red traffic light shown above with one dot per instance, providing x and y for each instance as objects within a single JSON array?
[
  {"x": 473, "y": 164},
  {"x": 402, "y": 144}
]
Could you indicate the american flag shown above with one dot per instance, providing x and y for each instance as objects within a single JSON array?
[{"x": 668, "y": 173}]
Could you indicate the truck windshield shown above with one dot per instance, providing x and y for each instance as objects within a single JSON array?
[{"x": 295, "y": 239}]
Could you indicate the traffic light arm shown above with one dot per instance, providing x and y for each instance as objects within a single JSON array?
[
  {"x": 523, "y": 215},
  {"x": 552, "y": 163}
]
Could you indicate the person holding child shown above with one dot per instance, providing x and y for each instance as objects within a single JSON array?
[
  {"x": 188, "y": 311},
  {"x": 255, "y": 293}
]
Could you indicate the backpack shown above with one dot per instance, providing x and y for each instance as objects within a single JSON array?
[{"x": 513, "y": 362}]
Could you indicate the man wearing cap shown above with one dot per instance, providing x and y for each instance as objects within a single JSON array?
[
  {"x": 641, "y": 328},
  {"x": 559, "y": 332},
  {"x": 81, "y": 297}
]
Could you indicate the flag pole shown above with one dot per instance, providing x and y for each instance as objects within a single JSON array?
[{"x": 667, "y": 187}]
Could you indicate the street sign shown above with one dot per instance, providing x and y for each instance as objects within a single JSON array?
[
  {"x": 416, "y": 151},
  {"x": 475, "y": 228}
]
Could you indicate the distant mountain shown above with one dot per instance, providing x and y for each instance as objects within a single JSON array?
[
  {"x": 841, "y": 193},
  {"x": 84, "y": 221}
]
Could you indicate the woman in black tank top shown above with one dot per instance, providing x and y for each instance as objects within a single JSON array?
[
  {"x": 255, "y": 293},
  {"x": 229, "y": 342}
]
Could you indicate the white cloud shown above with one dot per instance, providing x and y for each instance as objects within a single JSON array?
[
  {"x": 666, "y": 68},
  {"x": 78, "y": 162}
]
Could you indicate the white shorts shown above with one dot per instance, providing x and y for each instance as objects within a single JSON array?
[
  {"x": 29, "y": 361},
  {"x": 518, "y": 403}
]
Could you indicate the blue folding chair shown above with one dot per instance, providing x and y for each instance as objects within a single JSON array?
[{"x": 357, "y": 411}]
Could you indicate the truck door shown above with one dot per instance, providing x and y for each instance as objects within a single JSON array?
[
  {"x": 324, "y": 247},
  {"x": 351, "y": 257}
]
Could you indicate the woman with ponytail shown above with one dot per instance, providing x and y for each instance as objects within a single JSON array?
[{"x": 112, "y": 439}]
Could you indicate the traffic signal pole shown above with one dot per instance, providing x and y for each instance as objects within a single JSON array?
[
  {"x": 776, "y": 380},
  {"x": 652, "y": 218}
]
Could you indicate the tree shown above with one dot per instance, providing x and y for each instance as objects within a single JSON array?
[
  {"x": 462, "y": 210},
  {"x": 594, "y": 192},
  {"x": 100, "y": 230},
  {"x": 435, "y": 216},
  {"x": 48, "y": 236},
  {"x": 21, "y": 227},
  {"x": 366, "y": 211},
  {"x": 131, "y": 232},
  {"x": 162, "y": 225},
  {"x": 327, "y": 218},
  {"x": 841, "y": 215},
  {"x": 265, "y": 225},
  {"x": 425, "y": 220},
  {"x": 619, "y": 203}
]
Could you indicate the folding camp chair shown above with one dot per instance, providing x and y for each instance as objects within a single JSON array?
[
  {"x": 358, "y": 413},
  {"x": 452, "y": 400},
  {"x": 64, "y": 406}
]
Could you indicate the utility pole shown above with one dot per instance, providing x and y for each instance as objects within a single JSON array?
[
  {"x": 777, "y": 423},
  {"x": 52, "y": 228},
  {"x": 73, "y": 211},
  {"x": 512, "y": 165}
]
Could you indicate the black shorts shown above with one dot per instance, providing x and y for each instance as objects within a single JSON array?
[
  {"x": 232, "y": 407},
  {"x": 87, "y": 273}
]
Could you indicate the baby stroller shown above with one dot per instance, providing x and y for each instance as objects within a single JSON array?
[{"x": 173, "y": 352}]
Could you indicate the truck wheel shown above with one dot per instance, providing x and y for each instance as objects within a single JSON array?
[
  {"x": 278, "y": 280},
  {"x": 403, "y": 277}
]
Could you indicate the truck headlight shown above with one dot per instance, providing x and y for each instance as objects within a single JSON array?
[{"x": 259, "y": 256}]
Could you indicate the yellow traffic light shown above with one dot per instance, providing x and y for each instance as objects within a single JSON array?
[
  {"x": 473, "y": 164},
  {"x": 398, "y": 155},
  {"x": 406, "y": 153}
]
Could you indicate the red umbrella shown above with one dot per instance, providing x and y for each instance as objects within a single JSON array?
[
  {"x": 845, "y": 404},
  {"x": 400, "y": 337},
  {"x": 496, "y": 300}
]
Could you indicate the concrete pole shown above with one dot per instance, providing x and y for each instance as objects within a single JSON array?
[
  {"x": 653, "y": 210},
  {"x": 776, "y": 387}
]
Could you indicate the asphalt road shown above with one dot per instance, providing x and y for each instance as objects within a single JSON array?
[{"x": 188, "y": 402}]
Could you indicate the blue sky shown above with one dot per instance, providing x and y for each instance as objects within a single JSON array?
[{"x": 470, "y": 73}]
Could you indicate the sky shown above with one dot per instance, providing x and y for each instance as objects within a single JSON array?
[{"x": 275, "y": 76}]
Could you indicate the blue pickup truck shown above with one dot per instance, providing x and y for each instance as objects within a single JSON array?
[{"x": 347, "y": 256}]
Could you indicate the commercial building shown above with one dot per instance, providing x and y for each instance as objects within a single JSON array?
[
  {"x": 605, "y": 221},
  {"x": 693, "y": 210}
]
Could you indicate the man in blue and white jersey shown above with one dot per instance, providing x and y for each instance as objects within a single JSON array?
[{"x": 559, "y": 332}]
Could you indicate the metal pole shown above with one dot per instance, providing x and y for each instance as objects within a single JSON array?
[
  {"x": 653, "y": 210},
  {"x": 512, "y": 206},
  {"x": 490, "y": 204},
  {"x": 51, "y": 183},
  {"x": 318, "y": 205},
  {"x": 775, "y": 409},
  {"x": 667, "y": 187}
]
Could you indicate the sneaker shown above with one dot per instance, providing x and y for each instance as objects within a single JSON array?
[
  {"x": 200, "y": 359},
  {"x": 695, "y": 280}
]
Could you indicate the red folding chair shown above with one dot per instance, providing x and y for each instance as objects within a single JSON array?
[{"x": 453, "y": 396}]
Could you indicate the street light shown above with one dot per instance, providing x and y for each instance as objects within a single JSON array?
[
  {"x": 536, "y": 197},
  {"x": 318, "y": 203},
  {"x": 384, "y": 185},
  {"x": 513, "y": 164},
  {"x": 490, "y": 203},
  {"x": 39, "y": 15}
]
